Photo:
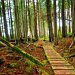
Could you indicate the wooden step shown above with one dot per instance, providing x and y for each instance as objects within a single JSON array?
[{"x": 64, "y": 72}]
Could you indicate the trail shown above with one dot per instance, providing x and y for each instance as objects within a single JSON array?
[{"x": 59, "y": 65}]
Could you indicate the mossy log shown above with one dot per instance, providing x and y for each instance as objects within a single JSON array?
[
  {"x": 3, "y": 44},
  {"x": 22, "y": 52}
]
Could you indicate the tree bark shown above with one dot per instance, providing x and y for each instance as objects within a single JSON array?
[
  {"x": 55, "y": 23},
  {"x": 35, "y": 21},
  {"x": 49, "y": 19},
  {"x": 4, "y": 18},
  {"x": 73, "y": 18},
  {"x": 63, "y": 19}
]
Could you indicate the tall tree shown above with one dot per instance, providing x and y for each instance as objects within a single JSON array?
[
  {"x": 29, "y": 17},
  {"x": 63, "y": 19},
  {"x": 11, "y": 21},
  {"x": 68, "y": 14},
  {"x": 73, "y": 17},
  {"x": 59, "y": 5},
  {"x": 38, "y": 15},
  {"x": 26, "y": 27},
  {"x": 0, "y": 21},
  {"x": 55, "y": 23},
  {"x": 35, "y": 20},
  {"x": 49, "y": 19},
  {"x": 17, "y": 21},
  {"x": 4, "y": 18}
]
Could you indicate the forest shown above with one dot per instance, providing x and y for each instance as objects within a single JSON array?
[{"x": 37, "y": 37}]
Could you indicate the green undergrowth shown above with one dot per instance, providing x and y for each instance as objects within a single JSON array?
[
  {"x": 44, "y": 38},
  {"x": 13, "y": 65},
  {"x": 29, "y": 66}
]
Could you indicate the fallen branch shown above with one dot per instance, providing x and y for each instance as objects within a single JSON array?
[
  {"x": 72, "y": 55},
  {"x": 71, "y": 45},
  {"x": 22, "y": 52}
]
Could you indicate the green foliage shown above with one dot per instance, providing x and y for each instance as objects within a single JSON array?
[
  {"x": 45, "y": 61},
  {"x": 30, "y": 65},
  {"x": 29, "y": 69},
  {"x": 67, "y": 3},
  {"x": 43, "y": 72},
  {"x": 60, "y": 3},
  {"x": 13, "y": 65},
  {"x": 28, "y": 62},
  {"x": 69, "y": 34}
]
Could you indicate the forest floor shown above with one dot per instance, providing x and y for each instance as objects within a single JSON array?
[
  {"x": 12, "y": 63},
  {"x": 63, "y": 49}
]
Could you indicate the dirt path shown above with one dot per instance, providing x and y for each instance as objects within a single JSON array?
[{"x": 59, "y": 65}]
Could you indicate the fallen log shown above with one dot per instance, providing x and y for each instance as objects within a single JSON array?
[
  {"x": 22, "y": 52},
  {"x": 3, "y": 44}
]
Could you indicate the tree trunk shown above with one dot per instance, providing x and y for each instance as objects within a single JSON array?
[
  {"x": 59, "y": 30},
  {"x": 26, "y": 26},
  {"x": 35, "y": 21},
  {"x": 49, "y": 19},
  {"x": 0, "y": 32},
  {"x": 5, "y": 22},
  {"x": 63, "y": 19},
  {"x": 68, "y": 14},
  {"x": 17, "y": 21},
  {"x": 73, "y": 18},
  {"x": 11, "y": 30},
  {"x": 29, "y": 15},
  {"x": 0, "y": 23},
  {"x": 55, "y": 23}
]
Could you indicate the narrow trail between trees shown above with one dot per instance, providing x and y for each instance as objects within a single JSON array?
[{"x": 59, "y": 65}]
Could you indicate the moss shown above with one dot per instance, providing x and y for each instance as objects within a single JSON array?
[
  {"x": 29, "y": 69},
  {"x": 43, "y": 72},
  {"x": 30, "y": 65},
  {"x": 45, "y": 61},
  {"x": 13, "y": 65}
]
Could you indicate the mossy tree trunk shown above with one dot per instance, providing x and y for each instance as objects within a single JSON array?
[{"x": 22, "y": 52}]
